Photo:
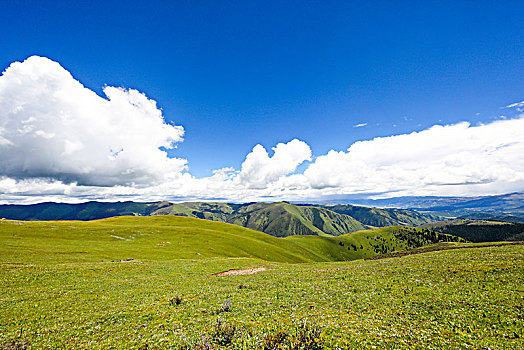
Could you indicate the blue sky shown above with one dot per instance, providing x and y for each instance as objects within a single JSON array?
[{"x": 239, "y": 73}]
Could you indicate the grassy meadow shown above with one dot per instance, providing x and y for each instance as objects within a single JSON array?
[{"x": 71, "y": 285}]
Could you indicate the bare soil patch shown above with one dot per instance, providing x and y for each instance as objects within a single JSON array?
[{"x": 249, "y": 271}]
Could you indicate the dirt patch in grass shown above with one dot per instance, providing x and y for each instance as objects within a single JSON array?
[{"x": 249, "y": 271}]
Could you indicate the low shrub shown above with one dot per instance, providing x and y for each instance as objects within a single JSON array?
[
  {"x": 17, "y": 344},
  {"x": 226, "y": 306},
  {"x": 203, "y": 344},
  {"x": 307, "y": 337},
  {"x": 223, "y": 333},
  {"x": 276, "y": 341},
  {"x": 176, "y": 300}
]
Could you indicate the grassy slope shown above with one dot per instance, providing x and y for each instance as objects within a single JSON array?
[
  {"x": 458, "y": 299},
  {"x": 203, "y": 210},
  {"x": 156, "y": 238},
  {"x": 278, "y": 219}
]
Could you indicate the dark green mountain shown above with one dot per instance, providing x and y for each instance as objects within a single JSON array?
[
  {"x": 284, "y": 219},
  {"x": 479, "y": 230},
  {"x": 383, "y": 217},
  {"x": 82, "y": 211}
]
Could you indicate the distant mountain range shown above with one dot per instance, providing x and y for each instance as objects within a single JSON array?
[
  {"x": 282, "y": 219},
  {"x": 506, "y": 207},
  {"x": 279, "y": 219}
]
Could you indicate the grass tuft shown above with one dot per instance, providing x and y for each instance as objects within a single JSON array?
[{"x": 177, "y": 300}]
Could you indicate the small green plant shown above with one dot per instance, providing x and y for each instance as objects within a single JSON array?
[
  {"x": 276, "y": 341},
  {"x": 175, "y": 301},
  {"x": 223, "y": 334},
  {"x": 307, "y": 337},
  {"x": 203, "y": 344},
  {"x": 226, "y": 306}
]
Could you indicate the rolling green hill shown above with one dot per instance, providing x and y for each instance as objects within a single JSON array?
[
  {"x": 480, "y": 230},
  {"x": 174, "y": 237},
  {"x": 279, "y": 219},
  {"x": 152, "y": 238},
  {"x": 283, "y": 219},
  {"x": 203, "y": 210}
]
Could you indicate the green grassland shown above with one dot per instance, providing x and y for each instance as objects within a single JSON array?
[
  {"x": 152, "y": 238},
  {"x": 64, "y": 286}
]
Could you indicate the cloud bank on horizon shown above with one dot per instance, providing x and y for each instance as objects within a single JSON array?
[{"x": 61, "y": 141}]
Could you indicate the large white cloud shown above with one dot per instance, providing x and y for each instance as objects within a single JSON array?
[
  {"x": 455, "y": 159},
  {"x": 258, "y": 170},
  {"x": 59, "y": 141},
  {"x": 51, "y": 126}
]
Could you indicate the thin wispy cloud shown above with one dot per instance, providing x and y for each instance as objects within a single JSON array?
[
  {"x": 515, "y": 105},
  {"x": 360, "y": 125}
]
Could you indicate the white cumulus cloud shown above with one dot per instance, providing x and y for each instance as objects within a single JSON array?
[
  {"x": 52, "y": 127},
  {"x": 455, "y": 159},
  {"x": 259, "y": 169}
]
